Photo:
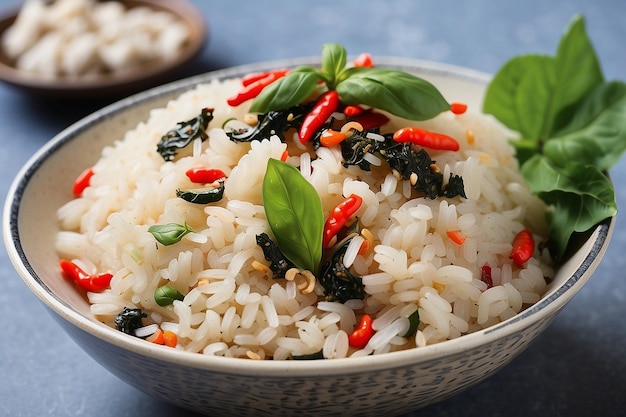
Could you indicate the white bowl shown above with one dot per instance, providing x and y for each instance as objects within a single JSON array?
[{"x": 387, "y": 384}]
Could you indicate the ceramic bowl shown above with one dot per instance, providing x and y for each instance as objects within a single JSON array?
[
  {"x": 121, "y": 83},
  {"x": 387, "y": 384}
]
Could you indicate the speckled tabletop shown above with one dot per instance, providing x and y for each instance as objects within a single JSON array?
[{"x": 577, "y": 368}]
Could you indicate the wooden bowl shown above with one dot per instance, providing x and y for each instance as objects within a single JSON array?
[{"x": 115, "y": 84}]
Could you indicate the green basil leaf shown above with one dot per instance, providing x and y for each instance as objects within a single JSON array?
[
  {"x": 170, "y": 233},
  {"x": 533, "y": 94},
  {"x": 166, "y": 295},
  {"x": 501, "y": 97},
  {"x": 334, "y": 59},
  {"x": 287, "y": 91},
  {"x": 597, "y": 134},
  {"x": 397, "y": 92},
  {"x": 578, "y": 71},
  {"x": 572, "y": 126},
  {"x": 540, "y": 79},
  {"x": 581, "y": 196},
  {"x": 524, "y": 149},
  {"x": 294, "y": 212}
]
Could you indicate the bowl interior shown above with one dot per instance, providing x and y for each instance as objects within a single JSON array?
[
  {"x": 123, "y": 82},
  {"x": 45, "y": 182},
  {"x": 46, "y": 189}
]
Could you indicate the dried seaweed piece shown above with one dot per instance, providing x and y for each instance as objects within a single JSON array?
[
  {"x": 129, "y": 320},
  {"x": 203, "y": 195},
  {"x": 339, "y": 283},
  {"x": 271, "y": 123},
  {"x": 279, "y": 264},
  {"x": 354, "y": 148},
  {"x": 184, "y": 133}
]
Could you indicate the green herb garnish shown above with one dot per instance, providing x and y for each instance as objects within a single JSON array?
[
  {"x": 170, "y": 233},
  {"x": 395, "y": 91},
  {"x": 294, "y": 213},
  {"x": 573, "y": 128},
  {"x": 166, "y": 295},
  {"x": 288, "y": 91}
]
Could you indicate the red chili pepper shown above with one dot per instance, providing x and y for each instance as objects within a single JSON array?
[
  {"x": 202, "y": 175},
  {"x": 93, "y": 283},
  {"x": 325, "y": 105},
  {"x": 523, "y": 247},
  {"x": 458, "y": 108},
  {"x": 98, "y": 282},
  {"x": 426, "y": 139},
  {"x": 253, "y": 89},
  {"x": 353, "y": 110},
  {"x": 82, "y": 181},
  {"x": 256, "y": 76},
  {"x": 364, "y": 60},
  {"x": 486, "y": 275},
  {"x": 362, "y": 334},
  {"x": 339, "y": 216},
  {"x": 285, "y": 155},
  {"x": 370, "y": 119}
]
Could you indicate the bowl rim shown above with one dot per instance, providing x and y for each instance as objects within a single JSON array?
[
  {"x": 140, "y": 77},
  {"x": 544, "y": 309}
]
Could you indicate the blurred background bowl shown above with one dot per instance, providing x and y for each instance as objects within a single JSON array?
[
  {"x": 117, "y": 84},
  {"x": 387, "y": 384}
]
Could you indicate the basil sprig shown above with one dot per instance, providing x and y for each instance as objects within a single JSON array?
[
  {"x": 169, "y": 233},
  {"x": 397, "y": 92},
  {"x": 573, "y": 129},
  {"x": 287, "y": 91},
  {"x": 294, "y": 212}
]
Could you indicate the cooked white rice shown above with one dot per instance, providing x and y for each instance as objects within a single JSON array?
[{"x": 233, "y": 309}]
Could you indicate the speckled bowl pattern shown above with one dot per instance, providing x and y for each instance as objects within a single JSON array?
[
  {"x": 119, "y": 84},
  {"x": 389, "y": 384}
]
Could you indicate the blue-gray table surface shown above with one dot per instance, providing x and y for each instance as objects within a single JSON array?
[{"x": 576, "y": 368}]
